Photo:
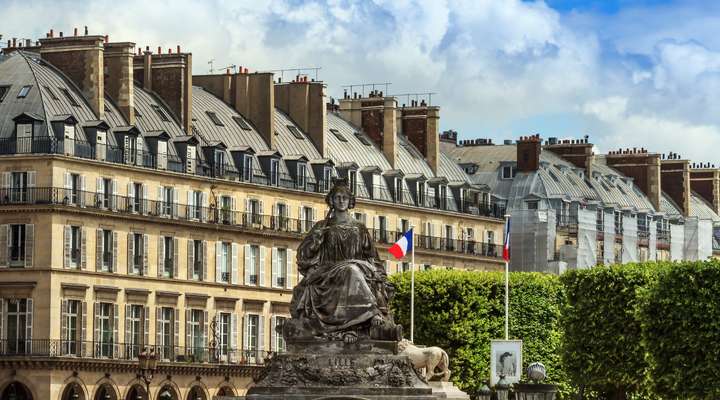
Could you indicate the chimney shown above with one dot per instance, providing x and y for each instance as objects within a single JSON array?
[
  {"x": 528, "y": 153},
  {"x": 170, "y": 77},
  {"x": 706, "y": 183},
  {"x": 577, "y": 152},
  {"x": 420, "y": 126},
  {"x": 304, "y": 102},
  {"x": 377, "y": 116},
  {"x": 81, "y": 59},
  {"x": 643, "y": 167},
  {"x": 675, "y": 181},
  {"x": 118, "y": 59},
  {"x": 222, "y": 86},
  {"x": 254, "y": 98}
]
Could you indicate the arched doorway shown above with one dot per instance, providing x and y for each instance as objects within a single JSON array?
[
  {"x": 137, "y": 392},
  {"x": 105, "y": 392},
  {"x": 73, "y": 391},
  {"x": 226, "y": 391},
  {"x": 167, "y": 392},
  {"x": 16, "y": 391},
  {"x": 196, "y": 393}
]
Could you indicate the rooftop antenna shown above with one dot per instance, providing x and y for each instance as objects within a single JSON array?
[
  {"x": 297, "y": 71},
  {"x": 233, "y": 67},
  {"x": 417, "y": 97},
  {"x": 211, "y": 65},
  {"x": 362, "y": 87}
]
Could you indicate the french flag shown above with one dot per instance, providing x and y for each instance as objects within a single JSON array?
[
  {"x": 402, "y": 246},
  {"x": 506, "y": 243}
]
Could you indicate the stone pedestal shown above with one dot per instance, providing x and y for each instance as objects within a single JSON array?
[
  {"x": 321, "y": 369},
  {"x": 447, "y": 390}
]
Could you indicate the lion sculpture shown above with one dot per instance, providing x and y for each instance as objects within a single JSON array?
[{"x": 430, "y": 358}]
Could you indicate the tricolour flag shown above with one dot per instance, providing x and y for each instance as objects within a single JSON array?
[
  {"x": 402, "y": 246},
  {"x": 506, "y": 243}
]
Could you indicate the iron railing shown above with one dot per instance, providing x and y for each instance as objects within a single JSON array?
[
  {"x": 141, "y": 158},
  {"x": 108, "y": 350},
  {"x": 426, "y": 242}
]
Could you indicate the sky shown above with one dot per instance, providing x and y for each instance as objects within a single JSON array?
[{"x": 642, "y": 73}]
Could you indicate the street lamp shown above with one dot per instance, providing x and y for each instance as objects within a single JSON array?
[
  {"x": 484, "y": 393},
  {"x": 147, "y": 362},
  {"x": 502, "y": 388}
]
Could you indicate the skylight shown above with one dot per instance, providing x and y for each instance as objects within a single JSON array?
[
  {"x": 137, "y": 113},
  {"x": 362, "y": 139},
  {"x": 241, "y": 123},
  {"x": 295, "y": 131},
  {"x": 69, "y": 97},
  {"x": 51, "y": 93},
  {"x": 3, "y": 92},
  {"x": 160, "y": 113},
  {"x": 24, "y": 91},
  {"x": 338, "y": 135},
  {"x": 214, "y": 118}
]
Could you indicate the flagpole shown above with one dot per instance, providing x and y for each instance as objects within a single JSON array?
[
  {"x": 412, "y": 284},
  {"x": 507, "y": 281}
]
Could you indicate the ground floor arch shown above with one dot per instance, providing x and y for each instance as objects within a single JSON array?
[
  {"x": 73, "y": 391},
  {"x": 167, "y": 392},
  {"x": 16, "y": 391}
]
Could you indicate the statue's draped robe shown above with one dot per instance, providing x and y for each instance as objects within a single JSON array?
[{"x": 344, "y": 284}]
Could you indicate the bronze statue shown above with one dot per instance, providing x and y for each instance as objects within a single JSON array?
[{"x": 344, "y": 293}]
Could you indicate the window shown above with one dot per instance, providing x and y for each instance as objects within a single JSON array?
[
  {"x": 24, "y": 91},
  {"x": 253, "y": 326},
  {"x": 196, "y": 204},
  {"x": 352, "y": 181},
  {"x": 105, "y": 191},
  {"x": 107, "y": 251},
  {"x": 166, "y": 319},
  {"x": 169, "y": 252},
  {"x": 18, "y": 329},
  {"x": 382, "y": 228},
  {"x": 362, "y": 139},
  {"x": 106, "y": 337},
  {"x": 219, "y": 162},
  {"x": 405, "y": 266},
  {"x": 254, "y": 267},
  {"x": 75, "y": 187},
  {"x": 167, "y": 200},
  {"x": 338, "y": 135},
  {"x": 224, "y": 322},
  {"x": 274, "y": 171},
  {"x": 532, "y": 204},
  {"x": 49, "y": 92},
  {"x": 421, "y": 193},
  {"x": 134, "y": 330},
  {"x": 279, "y": 344},
  {"x": 196, "y": 331},
  {"x": 360, "y": 217},
  {"x": 253, "y": 209},
  {"x": 404, "y": 225},
  {"x": 449, "y": 237},
  {"x": 160, "y": 113},
  {"x": 71, "y": 326},
  {"x": 247, "y": 168},
  {"x": 327, "y": 177},
  {"x": 301, "y": 174},
  {"x": 197, "y": 253},
  {"x": 3, "y": 92},
  {"x": 398, "y": 189},
  {"x": 227, "y": 210},
  {"x": 441, "y": 197},
  {"x": 295, "y": 132},
  {"x": 138, "y": 257},
  {"x": 307, "y": 218},
  {"x": 17, "y": 245},
  {"x": 281, "y": 216},
  {"x": 281, "y": 267},
  {"x": 137, "y": 196},
  {"x": 214, "y": 118},
  {"x": 129, "y": 149},
  {"x": 241, "y": 123},
  {"x": 226, "y": 255},
  {"x": 138, "y": 114},
  {"x": 508, "y": 172},
  {"x": 18, "y": 187},
  {"x": 75, "y": 246},
  {"x": 69, "y": 97}
]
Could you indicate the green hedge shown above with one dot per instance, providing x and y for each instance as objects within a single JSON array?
[
  {"x": 462, "y": 311},
  {"x": 680, "y": 319},
  {"x": 602, "y": 350}
]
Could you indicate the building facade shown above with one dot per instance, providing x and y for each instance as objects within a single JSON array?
[{"x": 144, "y": 207}]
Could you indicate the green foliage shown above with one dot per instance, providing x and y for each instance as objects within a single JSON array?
[
  {"x": 601, "y": 349},
  {"x": 680, "y": 318},
  {"x": 462, "y": 311}
]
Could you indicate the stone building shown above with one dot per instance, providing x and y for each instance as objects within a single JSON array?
[
  {"x": 572, "y": 208},
  {"x": 142, "y": 206}
]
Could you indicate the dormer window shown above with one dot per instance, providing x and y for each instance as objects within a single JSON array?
[
  {"x": 162, "y": 154},
  {"x": 274, "y": 171},
  {"x": 327, "y": 176},
  {"x": 219, "y": 160},
  {"x": 421, "y": 191},
  {"x": 508, "y": 172},
  {"x": 24, "y": 91},
  {"x": 190, "y": 159},
  {"x": 352, "y": 181},
  {"x": 247, "y": 168},
  {"x": 129, "y": 149},
  {"x": 398, "y": 192},
  {"x": 301, "y": 175},
  {"x": 24, "y": 134},
  {"x": 441, "y": 197}
]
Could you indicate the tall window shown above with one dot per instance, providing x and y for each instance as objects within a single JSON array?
[
  {"x": 327, "y": 176},
  {"x": 195, "y": 329},
  {"x": 224, "y": 328},
  {"x": 254, "y": 211},
  {"x": 106, "y": 193},
  {"x": 17, "y": 245},
  {"x": 301, "y": 175},
  {"x": 166, "y": 318},
  {"x": 16, "y": 331},
  {"x": 282, "y": 262},
  {"x": 254, "y": 264},
  {"x": 307, "y": 218},
  {"x": 226, "y": 209},
  {"x": 274, "y": 171},
  {"x": 421, "y": 193},
  {"x": 137, "y": 197},
  {"x": 404, "y": 225},
  {"x": 138, "y": 257},
  {"x": 71, "y": 321},
  {"x": 382, "y": 228},
  {"x": 134, "y": 330},
  {"x": 197, "y": 267},
  {"x": 24, "y": 135},
  {"x": 107, "y": 250},
  {"x": 352, "y": 178},
  {"x": 253, "y": 327},
  {"x": 104, "y": 327},
  {"x": 197, "y": 204},
  {"x": 75, "y": 246},
  {"x": 74, "y": 189},
  {"x": 449, "y": 239},
  {"x": 248, "y": 168},
  {"x": 19, "y": 187},
  {"x": 226, "y": 255},
  {"x": 279, "y": 344},
  {"x": 168, "y": 262},
  {"x": 281, "y": 217},
  {"x": 167, "y": 201}
]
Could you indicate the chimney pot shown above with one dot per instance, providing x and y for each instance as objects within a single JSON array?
[
  {"x": 178, "y": 49},
  {"x": 52, "y": 34},
  {"x": 86, "y": 30},
  {"x": 61, "y": 34},
  {"x": 14, "y": 42},
  {"x": 107, "y": 39},
  {"x": 74, "y": 31},
  {"x": 159, "y": 50},
  {"x": 147, "y": 48},
  {"x": 170, "y": 50}
]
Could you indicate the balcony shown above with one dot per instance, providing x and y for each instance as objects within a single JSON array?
[
  {"x": 54, "y": 196},
  {"x": 64, "y": 349}
]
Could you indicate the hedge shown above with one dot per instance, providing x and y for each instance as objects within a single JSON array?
[
  {"x": 680, "y": 318},
  {"x": 462, "y": 311},
  {"x": 602, "y": 348}
]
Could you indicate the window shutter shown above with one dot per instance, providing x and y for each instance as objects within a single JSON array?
[
  {"x": 188, "y": 337},
  {"x": 273, "y": 334},
  {"x": 246, "y": 332},
  {"x": 158, "y": 329},
  {"x": 6, "y": 180},
  {"x": 99, "y": 188},
  {"x": 128, "y": 330},
  {"x": 113, "y": 199},
  {"x": 176, "y": 257},
  {"x": 247, "y": 264},
  {"x": 260, "y": 208},
  {"x": 63, "y": 324},
  {"x": 29, "y": 325},
  {"x": 114, "y": 252},
  {"x": 146, "y": 242},
  {"x": 126, "y": 149},
  {"x": 160, "y": 255},
  {"x": 131, "y": 252},
  {"x": 116, "y": 323},
  {"x": 204, "y": 204},
  {"x": 261, "y": 336},
  {"x": 96, "y": 333},
  {"x": 130, "y": 196},
  {"x": 218, "y": 261},
  {"x": 176, "y": 331},
  {"x": 290, "y": 282},
  {"x": 261, "y": 273},
  {"x": 175, "y": 200},
  {"x": 3, "y": 303},
  {"x": 68, "y": 185},
  {"x": 205, "y": 328},
  {"x": 233, "y": 331},
  {"x": 99, "y": 249},
  {"x": 235, "y": 249},
  {"x": 274, "y": 262},
  {"x": 139, "y": 150},
  {"x": 66, "y": 245},
  {"x": 191, "y": 259},
  {"x": 146, "y": 326},
  {"x": 31, "y": 186},
  {"x": 204, "y": 260},
  {"x": 159, "y": 203},
  {"x": 4, "y": 244},
  {"x": 144, "y": 204},
  {"x": 83, "y": 248},
  {"x": 83, "y": 326},
  {"x": 190, "y": 208},
  {"x": 29, "y": 244},
  {"x": 387, "y": 267},
  {"x": 82, "y": 191}
]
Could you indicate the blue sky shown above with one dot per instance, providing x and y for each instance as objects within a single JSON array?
[{"x": 640, "y": 73}]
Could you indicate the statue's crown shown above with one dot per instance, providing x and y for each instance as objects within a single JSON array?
[{"x": 340, "y": 182}]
